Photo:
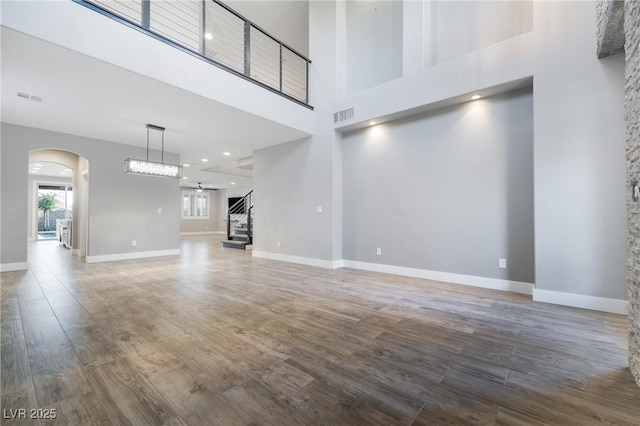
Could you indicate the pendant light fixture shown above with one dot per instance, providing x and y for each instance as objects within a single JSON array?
[{"x": 151, "y": 168}]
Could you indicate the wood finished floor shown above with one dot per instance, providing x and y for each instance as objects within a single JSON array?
[{"x": 220, "y": 338}]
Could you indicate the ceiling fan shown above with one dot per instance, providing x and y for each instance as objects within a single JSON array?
[{"x": 200, "y": 188}]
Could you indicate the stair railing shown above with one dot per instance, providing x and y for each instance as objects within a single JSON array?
[{"x": 241, "y": 213}]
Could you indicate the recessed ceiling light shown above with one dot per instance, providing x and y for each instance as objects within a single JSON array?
[
  {"x": 476, "y": 97},
  {"x": 38, "y": 165},
  {"x": 63, "y": 173},
  {"x": 204, "y": 160},
  {"x": 184, "y": 177},
  {"x": 208, "y": 36},
  {"x": 186, "y": 165},
  {"x": 226, "y": 153},
  {"x": 372, "y": 123},
  {"x": 34, "y": 171},
  {"x": 67, "y": 170},
  {"x": 233, "y": 183}
]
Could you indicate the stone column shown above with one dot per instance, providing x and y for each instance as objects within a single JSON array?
[{"x": 632, "y": 118}]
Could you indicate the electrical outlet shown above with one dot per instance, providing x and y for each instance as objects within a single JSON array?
[
  {"x": 278, "y": 243},
  {"x": 159, "y": 210},
  {"x": 502, "y": 263},
  {"x": 134, "y": 243},
  {"x": 379, "y": 251},
  {"x": 319, "y": 208}
]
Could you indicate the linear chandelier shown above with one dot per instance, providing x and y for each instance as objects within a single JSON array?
[{"x": 151, "y": 168}]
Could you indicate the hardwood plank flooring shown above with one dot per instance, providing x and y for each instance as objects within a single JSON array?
[{"x": 216, "y": 337}]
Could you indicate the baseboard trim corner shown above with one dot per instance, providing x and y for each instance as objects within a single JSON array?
[
  {"x": 17, "y": 266},
  {"x": 603, "y": 304},
  {"x": 329, "y": 264},
  {"x": 130, "y": 256}
]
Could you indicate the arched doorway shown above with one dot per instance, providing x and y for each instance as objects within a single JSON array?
[{"x": 58, "y": 199}]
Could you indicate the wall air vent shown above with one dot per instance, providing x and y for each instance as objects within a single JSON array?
[
  {"x": 28, "y": 97},
  {"x": 343, "y": 115}
]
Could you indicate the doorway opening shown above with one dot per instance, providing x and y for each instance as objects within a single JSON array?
[
  {"x": 58, "y": 202},
  {"x": 55, "y": 212}
]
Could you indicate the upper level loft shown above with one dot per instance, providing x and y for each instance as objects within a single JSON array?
[{"x": 213, "y": 32}]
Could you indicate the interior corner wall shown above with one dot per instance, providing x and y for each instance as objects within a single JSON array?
[
  {"x": 632, "y": 114},
  {"x": 81, "y": 203},
  {"x": 294, "y": 207},
  {"x": 450, "y": 191},
  {"x": 122, "y": 207},
  {"x": 579, "y": 163},
  {"x": 292, "y": 183}
]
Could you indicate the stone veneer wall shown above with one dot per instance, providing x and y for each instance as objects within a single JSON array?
[
  {"x": 632, "y": 118},
  {"x": 610, "y": 31}
]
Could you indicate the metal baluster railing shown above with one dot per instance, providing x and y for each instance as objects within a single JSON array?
[
  {"x": 216, "y": 33},
  {"x": 239, "y": 214}
]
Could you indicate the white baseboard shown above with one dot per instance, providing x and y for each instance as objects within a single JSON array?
[
  {"x": 330, "y": 264},
  {"x": 18, "y": 266},
  {"x": 204, "y": 233},
  {"x": 492, "y": 283},
  {"x": 129, "y": 256},
  {"x": 470, "y": 280},
  {"x": 616, "y": 306}
]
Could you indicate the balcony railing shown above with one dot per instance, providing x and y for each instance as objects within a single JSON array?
[{"x": 214, "y": 32}]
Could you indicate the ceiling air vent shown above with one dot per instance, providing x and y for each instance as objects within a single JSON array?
[
  {"x": 23, "y": 95},
  {"x": 343, "y": 115},
  {"x": 36, "y": 98}
]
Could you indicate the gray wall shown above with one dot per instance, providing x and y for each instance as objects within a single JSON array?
[
  {"x": 122, "y": 207},
  {"x": 373, "y": 43},
  {"x": 451, "y": 191},
  {"x": 292, "y": 180},
  {"x": 461, "y": 27},
  {"x": 579, "y": 156},
  {"x": 285, "y": 177}
]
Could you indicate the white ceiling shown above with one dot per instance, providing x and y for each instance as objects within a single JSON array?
[
  {"x": 45, "y": 168},
  {"x": 87, "y": 97}
]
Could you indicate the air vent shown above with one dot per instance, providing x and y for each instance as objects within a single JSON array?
[
  {"x": 343, "y": 115},
  {"x": 28, "y": 97}
]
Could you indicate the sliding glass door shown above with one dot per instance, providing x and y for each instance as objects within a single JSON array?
[{"x": 55, "y": 202}]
